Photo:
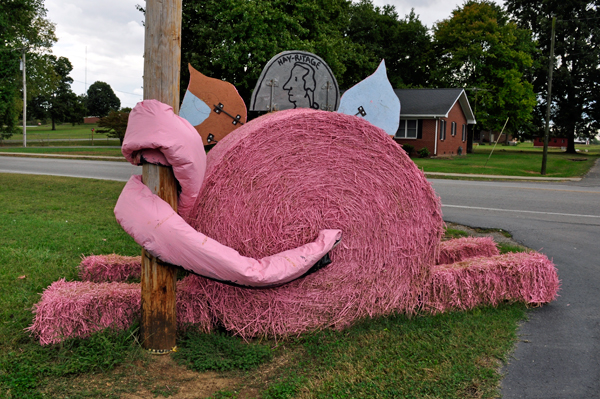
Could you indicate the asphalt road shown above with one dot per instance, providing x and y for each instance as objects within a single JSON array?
[
  {"x": 558, "y": 355},
  {"x": 104, "y": 170}
]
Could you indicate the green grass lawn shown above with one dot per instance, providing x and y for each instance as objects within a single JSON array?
[
  {"x": 63, "y": 131},
  {"x": 48, "y": 223},
  {"x": 65, "y": 134},
  {"x": 520, "y": 160},
  {"x": 111, "y": 152}
]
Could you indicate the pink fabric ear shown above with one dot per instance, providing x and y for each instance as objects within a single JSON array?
[{"x": 155, "y": 133}]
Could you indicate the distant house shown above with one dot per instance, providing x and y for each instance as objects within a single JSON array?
[
  {"x": 91, "y": 119},
  {"x": 434, "y": 118},
  {"x": 552, "y": 142}
]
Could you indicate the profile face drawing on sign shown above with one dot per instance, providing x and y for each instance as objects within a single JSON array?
[
  {"x": 301, "y": 86},
  {"x": 295, "y": 79}
]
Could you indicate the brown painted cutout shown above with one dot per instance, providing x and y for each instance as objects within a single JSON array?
[{"x": 227, "y": 109}]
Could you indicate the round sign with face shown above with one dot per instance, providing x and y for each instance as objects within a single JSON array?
[{"x": 295, "y": 79}]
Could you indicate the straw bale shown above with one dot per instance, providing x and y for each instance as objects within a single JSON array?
[
  {"x": 272, "y": 184},
  {"x": 77, "y": 309},
  {"x": 113, "y": 267},
  {"x": 516, "y": 277},
  {"x": 463, "y": 248}
]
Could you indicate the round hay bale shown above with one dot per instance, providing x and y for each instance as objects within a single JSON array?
[{"x": 272, "y": 184}]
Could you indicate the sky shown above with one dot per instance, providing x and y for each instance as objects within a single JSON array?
[{"x": 104, "y": 40}]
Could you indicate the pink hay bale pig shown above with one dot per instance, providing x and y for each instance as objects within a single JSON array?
[
  {"x": 460, "y": 249},
  {"x": 273, "y": 183},
  {"x": 106, "y": 268},
  {"x": 517, "y": 277}
]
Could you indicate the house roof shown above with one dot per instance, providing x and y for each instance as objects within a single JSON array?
[{"x": 433, "y": 103}]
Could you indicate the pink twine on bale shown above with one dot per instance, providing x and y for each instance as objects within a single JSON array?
[
  {"x": 104, "y": 268},
  {"x": 272, "y": 184},
  {"x": 517, "y": 277},
  {"x": 77, "y": 309},
  {"x": 460, "y": 249}
]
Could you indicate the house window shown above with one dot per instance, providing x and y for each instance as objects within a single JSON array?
[
  {"x": 453, "y": 129},
  {"x": 407, "y": 129},
  {"x": 442, "y": 130},
  {"x": 464, "y": 133}
]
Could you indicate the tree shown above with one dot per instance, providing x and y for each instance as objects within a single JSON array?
[
  {"x": 478, "y": 47},
  {"x": 234, "y": 39},
  {"x": 575, "y": 104},
  {"x": 405, "y": 44},
  {"x": 115, "y": 124},
  {"x": 58, "y": 103},
  {"x": 22, "y": 25},
  {"x": 101, "y": 99}
]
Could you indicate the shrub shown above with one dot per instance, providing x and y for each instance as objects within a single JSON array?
[
  {"x": 423, "y": 152},
  {"x": 408, "y": 148}
]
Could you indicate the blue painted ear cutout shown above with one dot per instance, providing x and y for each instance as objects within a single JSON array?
[
  {"x": 194, "y": 110},
  {"x": 374, "y": 100}
]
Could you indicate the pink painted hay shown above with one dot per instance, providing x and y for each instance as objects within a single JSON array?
[
  {"x": 273, "y": 183},
  {"x": 192, "y": 306},
  {"x": 517, "y": 277},
  {"x": 77, "y": 309},
  {"x": 105, "y": 268},
  {"x": 460, "y": 249}
]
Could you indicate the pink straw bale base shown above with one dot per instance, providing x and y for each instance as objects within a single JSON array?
[
  {"x": 460, "y": 249},
  {"x": 78, "y": 309},
  {"x": 516, "y": 277},
  {"x": 272, "y": 184},
  {"x": 105, "y": 268}
]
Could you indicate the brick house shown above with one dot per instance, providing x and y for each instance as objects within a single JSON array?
[
  {"x": 552, "y": 142},
  {"x": 434, "y": 118}
]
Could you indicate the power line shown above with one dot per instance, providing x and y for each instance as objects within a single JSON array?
[{"x": 120, "y": 91}]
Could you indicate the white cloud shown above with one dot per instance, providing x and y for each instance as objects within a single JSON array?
[
  {"x": 113, "y": 34},
  {"x": 429, "y": 11}
]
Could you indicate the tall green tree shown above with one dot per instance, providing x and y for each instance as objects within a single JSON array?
[
  {"x": 22, "y": 25},
  {"x": 234, "y": 39},
  {"x": 575, "y": 104},
  {"x": 478, "y": 47},
  {"x": 101, "y": 99},
  {"x": 405, "y": 44},
  {"x": 59, "y": 103}
]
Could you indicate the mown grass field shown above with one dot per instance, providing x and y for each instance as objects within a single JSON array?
[
  {"x": 520, "y": 160},
  {"x": 48, "y": 223},
  {"x": 73, "y": 150},
  {"x": 63, "y": 131},
  {"x": 65, "y": 134}
]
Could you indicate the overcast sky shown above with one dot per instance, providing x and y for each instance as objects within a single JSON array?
[{"x": 113, "y": 34}]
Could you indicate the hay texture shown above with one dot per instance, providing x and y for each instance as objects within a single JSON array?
[
  {"x": 105, "y": 268},
  {"x": 272, "y": 184},
  {"x": 460, "y": 249},
  {"x": 530, "y": 278},
  {"x": 77, "y": 309}
]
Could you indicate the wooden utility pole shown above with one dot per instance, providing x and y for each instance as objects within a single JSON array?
[
  {"x": 549, "y": 100},
  {"x": 24, "y": 99},
  {"x": 162, "y": 57}
]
